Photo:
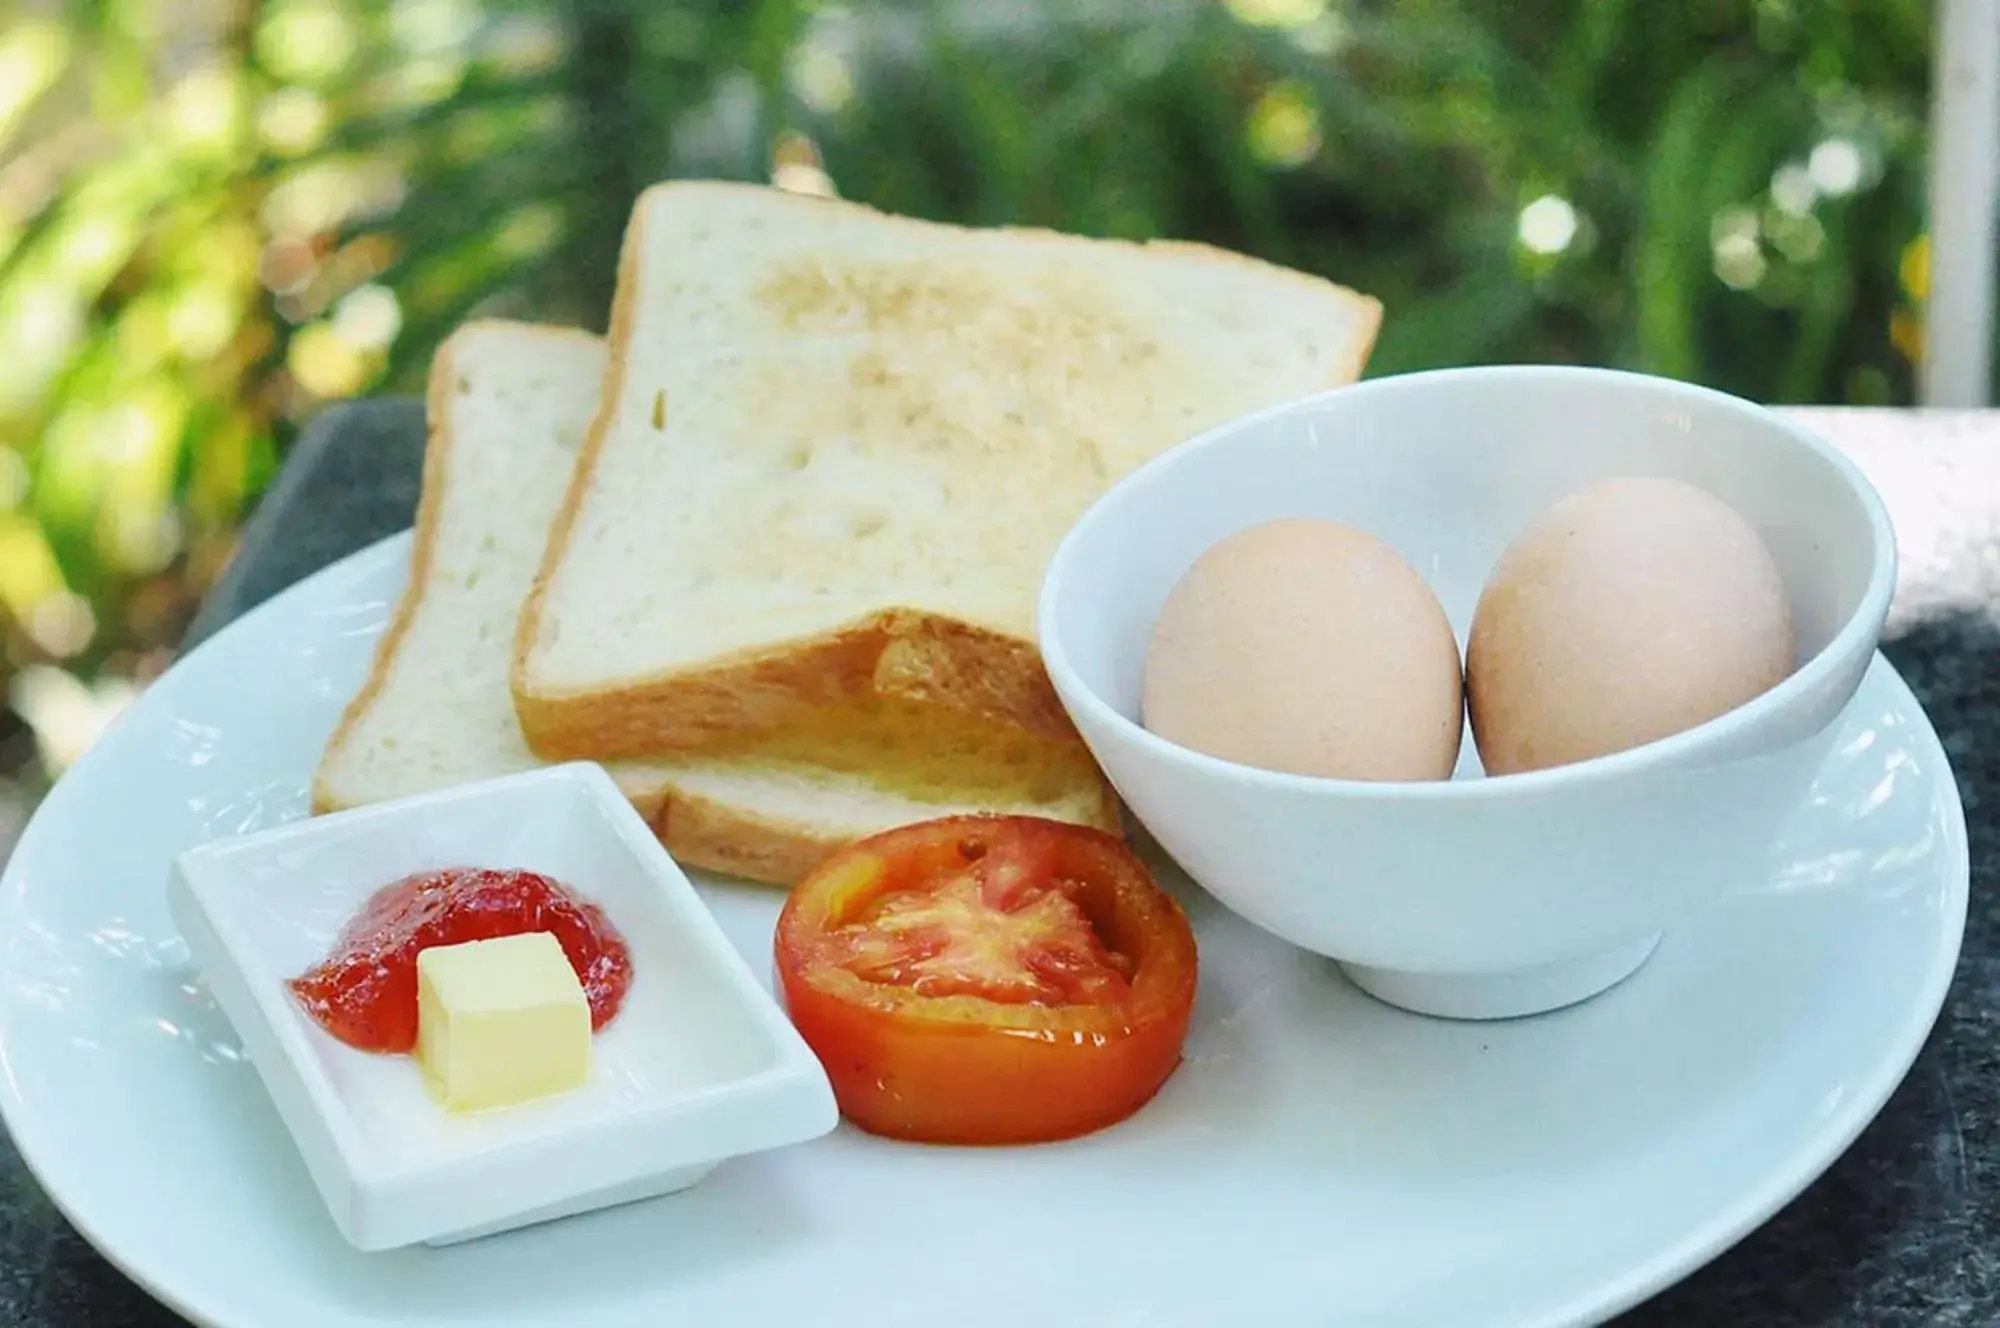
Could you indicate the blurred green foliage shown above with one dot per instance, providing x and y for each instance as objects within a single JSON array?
[{"x": 216, "y": 215}]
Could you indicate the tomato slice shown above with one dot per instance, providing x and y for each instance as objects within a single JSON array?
[{"x": 988, "y": 979}]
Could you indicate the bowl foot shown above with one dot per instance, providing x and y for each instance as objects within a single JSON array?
[{"x": 1505, "y": 995}]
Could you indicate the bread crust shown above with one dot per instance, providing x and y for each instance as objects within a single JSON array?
[
  {"x": 894, "y": 654},
  {"x": 705, "y": 834},
  {"x": 898, "y": 654},
  {"x": 438, "y": 388},
  {"x": 699, "y": 831},
  {"x": 709, "y": 835},
  {"x": 714, "y": 836}
]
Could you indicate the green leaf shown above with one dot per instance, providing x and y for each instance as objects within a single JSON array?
[
  {"x": 1723, "y": 133},
  {"x": 1467, "y": 323}
]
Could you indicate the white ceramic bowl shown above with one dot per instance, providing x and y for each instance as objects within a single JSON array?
[
  {"x": 1475, "y": 897},
  {"x": 699, "y": 1066}
]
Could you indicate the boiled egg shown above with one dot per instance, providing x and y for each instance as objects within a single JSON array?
[
  {"x": 1308, "y": 647},
  {"x": 1631, "y": 610}
]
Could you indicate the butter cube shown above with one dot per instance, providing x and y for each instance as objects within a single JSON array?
[{"x": 501, "y": 1021}]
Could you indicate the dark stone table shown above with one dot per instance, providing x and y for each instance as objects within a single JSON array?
[{"x": 1902, "y": 1231}]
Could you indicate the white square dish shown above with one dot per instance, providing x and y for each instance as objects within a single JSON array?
[{"x": 700, "y": 1064}]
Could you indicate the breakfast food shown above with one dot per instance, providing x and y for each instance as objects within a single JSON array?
[
  {"x": 501, "y": 1021},
  {"x": 837, "y": 448},
  {"x": 770, "y": 553},
  {"x": 365, "y": 992},
  {"x": 508, "y": 405},
  {"x": 1632, "y": 610},
  {"x": 1308, "y": 647},
  {"x": 987, "y": 980}
]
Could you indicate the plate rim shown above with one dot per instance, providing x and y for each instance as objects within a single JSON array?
[
  {"x": 1776, "y": 1187},
  {"x": 1858, "y": 1111}
]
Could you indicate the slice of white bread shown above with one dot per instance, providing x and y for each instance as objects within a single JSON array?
[
  {"x": 837, "y": 448},
  {"x": 508, "y": 406}
]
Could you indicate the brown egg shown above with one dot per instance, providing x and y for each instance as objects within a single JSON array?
[
  {"x": 1631, "y": 610},
  {"x": 1308, "y": 647}
]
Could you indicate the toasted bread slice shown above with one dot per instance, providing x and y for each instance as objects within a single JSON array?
[
  {"x": 508, "y": 407},
  {"x": 837, "y": 448}
]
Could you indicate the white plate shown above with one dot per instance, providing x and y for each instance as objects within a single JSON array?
[
  {"x": 1319, "y": 1158},
  {"x": 700, "y": 1064}
]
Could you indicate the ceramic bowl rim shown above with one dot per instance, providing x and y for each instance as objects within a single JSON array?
[{"x": 1857, "y": 634}]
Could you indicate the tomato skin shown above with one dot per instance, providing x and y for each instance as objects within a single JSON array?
[
  {"x": 957, "y": 1085},
  {"x": 965, "y": 1070}
]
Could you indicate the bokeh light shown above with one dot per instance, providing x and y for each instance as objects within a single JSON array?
[
  {"x": 325, "y": 363},
  {"x": 1284, "y": 125},
  {"x": 1547, "y": 225},
  {"x": 307, "y": 41},
  {"x": 33, "y": 53},
  {"x": 1277, "y": 13},
  {"x": 1836, "y": 167},
  {"x": 1736, "y": 239}
]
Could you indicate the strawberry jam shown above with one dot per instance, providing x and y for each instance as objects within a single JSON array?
[{"x": 365, "y": 992}]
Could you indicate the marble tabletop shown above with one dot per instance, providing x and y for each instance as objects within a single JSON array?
[{"x": 1902, "y": 1231}]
